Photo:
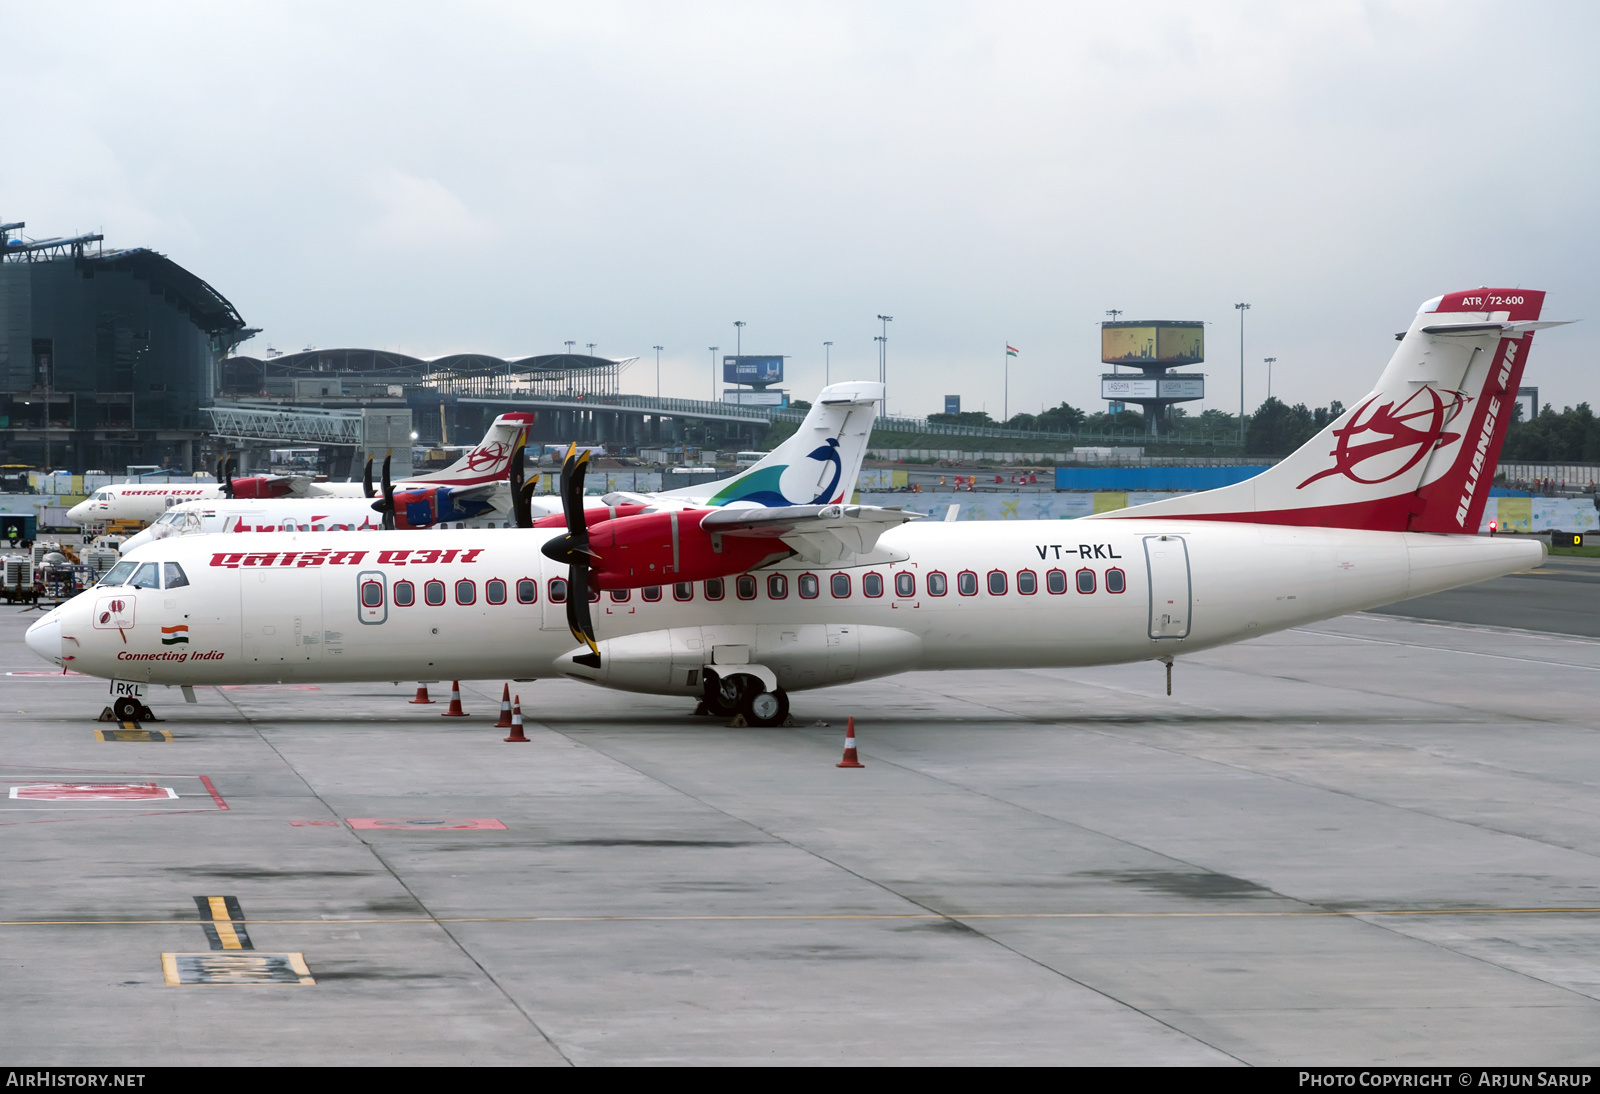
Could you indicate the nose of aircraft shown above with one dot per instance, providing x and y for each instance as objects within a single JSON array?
[
  {"x": 44, "y": 637},
  {"x": 79, "y": 514}
]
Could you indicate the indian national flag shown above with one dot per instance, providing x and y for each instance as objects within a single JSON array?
[{"x": 1011, "y": 351}]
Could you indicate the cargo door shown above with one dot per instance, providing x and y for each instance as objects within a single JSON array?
[
  {"x": 1167, "y": 564},
  {"x": 282, "y": 615}
]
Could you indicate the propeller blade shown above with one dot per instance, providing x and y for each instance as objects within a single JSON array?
[
  {"x": 366, "y": 479},
  {"x": 230, "y": 464},
  {"x": 579, "y": 621},
  {"x": 521, "y": 491},
  {"x": 572, "y": 548},
  {"x": 388, "y": 493}
]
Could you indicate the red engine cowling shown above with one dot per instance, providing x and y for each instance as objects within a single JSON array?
[
  {"x": 593, "y": 516},
  {"x": 261, "y": 486},
  {"x": 661, "y": 548}
]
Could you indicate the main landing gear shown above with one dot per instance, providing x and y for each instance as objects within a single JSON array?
[{"x": 741, "y": 693}]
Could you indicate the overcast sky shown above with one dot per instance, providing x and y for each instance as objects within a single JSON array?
[{"x": 503, "y": 177}]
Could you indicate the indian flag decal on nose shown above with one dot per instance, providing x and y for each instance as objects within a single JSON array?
[{"x": 171, "y": 636}]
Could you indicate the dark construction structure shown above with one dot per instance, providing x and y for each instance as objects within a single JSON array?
[
  {"x": 106, "y": 357},
  {"x": 453, "y": 398}
]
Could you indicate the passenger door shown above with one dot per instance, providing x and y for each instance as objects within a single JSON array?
[{"x": 1167, "y": 565}]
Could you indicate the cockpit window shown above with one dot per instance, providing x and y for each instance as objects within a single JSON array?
[
  {"x": 175, "y": 577},
  {"x": 170, "y": 517},
  {"x": 118, "y": 574},
  {"x": 148, "y": 577}
]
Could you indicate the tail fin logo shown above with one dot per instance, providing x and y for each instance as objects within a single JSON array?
[
  {"x": 486, "y": 456},
  {"x": 1392, "y": 429},
  {"x": 828, "y": 453}
]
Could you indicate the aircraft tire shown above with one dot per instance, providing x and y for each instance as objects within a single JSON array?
[
  {"x": 721, "y": 697},
  {"x": 764, "y": 708},
  {"x": 126, "y": 709}
]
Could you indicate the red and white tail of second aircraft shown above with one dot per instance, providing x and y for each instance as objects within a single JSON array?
[{"x": 740, "y": 606}]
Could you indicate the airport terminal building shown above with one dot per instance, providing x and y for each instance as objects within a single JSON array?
[{"x": 106, "y": 356}]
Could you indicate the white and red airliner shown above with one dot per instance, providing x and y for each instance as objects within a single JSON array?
[
  {"x": 466, "y": 487},
  {"x": 740, "y": 605}
]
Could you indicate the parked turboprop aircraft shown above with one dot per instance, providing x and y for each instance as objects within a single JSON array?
[
  {"x": 477, "y": 471},
  {"x": 820, "y": 462},
  {"x": 739, "y": 606}
]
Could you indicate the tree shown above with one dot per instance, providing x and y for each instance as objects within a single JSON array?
[
  {"x": 1277, "y": 429},
  {"x": 1571, "y": 436}
]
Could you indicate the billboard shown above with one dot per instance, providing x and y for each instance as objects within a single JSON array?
[
  {"x": 1152, "y": 342},
  {"x": 756, "y": 398},
  {"x": 952, "y": 404},
  {"x": 752, "y": 370},
  {"x": 1119, "y": 388}
]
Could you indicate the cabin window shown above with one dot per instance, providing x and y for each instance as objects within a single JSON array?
[
  {"x": 594, "y": 595},
  {"x": 872, "y": 584},
  {"x": 714, "y": 588},
  {"x": 494, "y": 591},
  {"x": 683, "y": 590},
  {"x": 1086, "y": 581},
  {"x": 905, "y": 584},
  {"x": 620, "y": 596},
  {"x": 1056, "y": 581},
  {"x": 558, "y": 590},
  {"x": 433, "y": 592},
  {"x": 997, "y": 583},
  {"x": 405, "y": 594},
  {"x": 967, "y": 583},
  {"x": 777, "y": 586},
  {"x": 744, "y": 586},
  {"x": 173, "y": 575},
  {"x": 652, "y": 593},
  {"x": 839, "y": 586},
  {"x": 148, "y": 577},
  {"x": 1027, "y": 582},
  {"x": 527, "y": 591},
  {"x": 808, "y": 586},
  {"x": 466, "y": 592},
  {"x": 371, "y": 594},
  {"x": 1116, "y": 580},
  {"x": 937, "y": 585}
]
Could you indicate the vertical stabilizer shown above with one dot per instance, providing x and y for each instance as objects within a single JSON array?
[
  {"x": 489, "y": 460},
  {"x": 819, "y": 465},
  {"x": 1416, "y": 453}
]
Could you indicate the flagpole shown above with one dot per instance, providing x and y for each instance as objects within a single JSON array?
[{"x": 1005, "y": 406}]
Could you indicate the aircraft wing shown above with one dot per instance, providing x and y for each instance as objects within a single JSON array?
[{"x": 820, "y": 534}]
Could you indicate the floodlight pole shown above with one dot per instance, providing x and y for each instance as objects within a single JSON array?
[
  {"x": 1242, "y": 308},
  {"x": 658, "y": 350},
  {"x": 1269, "y": 361},
  {"x": 738, "y": 337},
  {"x": 883, "y": 363},
  {"x": 713, "y": 374},
  {"x": 827, "y": 363},
  {"x": 591, "y": 348}
]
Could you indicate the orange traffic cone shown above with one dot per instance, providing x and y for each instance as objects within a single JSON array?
[
  {"x": 422, "y": 695},
  {"x": 505, "y": 709},
  {"x": 454, "y": 710},
  {"x": 516, "y": 721},
  {"x": 850, "y": 747}
]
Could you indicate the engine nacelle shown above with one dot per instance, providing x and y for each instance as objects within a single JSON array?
[
  {"x": 591, "y": 517},
  {"x": 262, "y": 486},
  {"x": 661, "y": 548},
  {"x": 426, "y": 506}
]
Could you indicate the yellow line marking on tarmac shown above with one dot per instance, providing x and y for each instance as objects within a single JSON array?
[
  {"x": 221, "y": 920},
  {"x": 816, "y": 916}
]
